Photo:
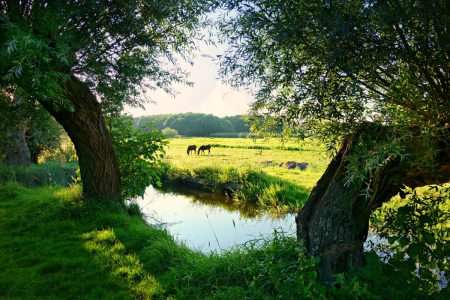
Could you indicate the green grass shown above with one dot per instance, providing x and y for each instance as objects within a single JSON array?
[
  {"x": 54, "y": 245},
  {"x": 239, "y": 153},
  {"x": 261, "y": 191},
  {"x": 253, "y": 167}
]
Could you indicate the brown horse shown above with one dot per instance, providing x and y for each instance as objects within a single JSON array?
[
  {"x": 204, "y": 148},
  {"x": 191, "y": 148}
]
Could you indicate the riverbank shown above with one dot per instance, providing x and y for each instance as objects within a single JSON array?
[
  {"x": 54, "y": 245},
  {"x": 268, "y": 156},
  {"x": 247, "y": 171},
  {"x": 242, "y": 187}
]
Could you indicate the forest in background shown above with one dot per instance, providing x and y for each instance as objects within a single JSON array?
[{"x": 196, "y": 124}]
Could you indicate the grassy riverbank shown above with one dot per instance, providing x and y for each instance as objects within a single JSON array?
[
  {"x": 249, "y": 171},
  {"x": 242, "y": 186},
  {"x": 53, "y": 245},
  {"x": 243, "y": 154}
]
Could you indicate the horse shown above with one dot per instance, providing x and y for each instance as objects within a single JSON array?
[
  {"x": 203, "y": 148},
  {"x": 191, "y": 148}
]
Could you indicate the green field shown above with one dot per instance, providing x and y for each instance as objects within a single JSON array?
[{"x": 243, "y": 153}]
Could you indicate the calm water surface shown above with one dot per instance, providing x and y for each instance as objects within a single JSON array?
[{"x": 208, "y": 222}]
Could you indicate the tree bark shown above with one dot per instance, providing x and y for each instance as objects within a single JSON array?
[
  {"x": 86, "y": 128},
  {"x": 16, "y": 148},
  {"x": 334, "y": 222}
]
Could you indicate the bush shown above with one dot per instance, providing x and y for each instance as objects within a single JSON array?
[
  {"x": 169, "y": 132},
  {"x": 64, "y": 153},
  {"x": 418, "y": 230},
  {"x": 139, "y": 154}
]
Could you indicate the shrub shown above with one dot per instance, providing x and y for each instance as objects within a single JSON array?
[
  {"x": 418, "y": 230},
  {"x": 139, "y": 154},
  {"x": 169, "y": 132}
]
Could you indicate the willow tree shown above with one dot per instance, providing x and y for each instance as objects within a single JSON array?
[
  {"x": 371, "y": 77},
  {"x": 79, "y": 59}
]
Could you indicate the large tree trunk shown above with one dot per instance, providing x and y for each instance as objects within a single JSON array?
[
  {"x": 334, "y": 222},
  {"x": 16, "y": 148},
  {"x": 86, "y": 128}
]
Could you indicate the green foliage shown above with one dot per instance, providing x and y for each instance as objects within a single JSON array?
[
  {"x": 42, "y": 132},
  {"x": 169, "y": 132},
  {"x": 373, "y": 150},
  {"x": 260, "y": 269},
  {"x": 50, "y": 173},
  {"x": 326, "y": 67},
  {"x": 113, "y": 46},
  {"x": 139, "y": 154},
  {"x": 249, "y": 187},
  {"x": 229, "y": 134},
  {"x": 44, "y": 135},
  {"x": 65, "y": 152},
  {"x": 195, "y": 124},
  {"x": 417, "y": 228},
  {"x": 53, "y": 245}
]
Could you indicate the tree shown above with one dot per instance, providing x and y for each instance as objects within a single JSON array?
[
  {"x": 13, "y": 127},
  {"x": 195, "y": 124},
  {"x": 370, "y": 78},
  {"x": 43, "y": 133},
  {"x": 80, "y": 59},
  {"x": 27, "y": 130},
  {"x": 169, "y": 132}
]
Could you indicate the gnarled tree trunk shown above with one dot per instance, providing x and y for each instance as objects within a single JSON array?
[
  {"x": 16, "y": 148},
  {"x": 86, "y": 128},
  {"x": 334, "y": 222}
]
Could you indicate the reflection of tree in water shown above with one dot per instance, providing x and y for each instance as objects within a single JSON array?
[{"x": 246, "y": 209}]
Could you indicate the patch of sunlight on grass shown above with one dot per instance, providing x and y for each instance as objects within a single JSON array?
[
  {"x": 68, "y": 194},
  {"x": 112, "y": 255}
]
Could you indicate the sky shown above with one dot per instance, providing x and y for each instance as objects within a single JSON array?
[{"x": 207, "y": 95}]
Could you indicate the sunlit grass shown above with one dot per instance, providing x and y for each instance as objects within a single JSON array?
[
  {"x": 56, "y": 245},
  {"x": 264, "y": 160},
  {"x": 111, "y": 255}
]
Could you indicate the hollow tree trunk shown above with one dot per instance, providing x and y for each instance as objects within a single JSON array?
[
  {"x": 86, "y": 128},
  {"x": 334, "y": 222}
]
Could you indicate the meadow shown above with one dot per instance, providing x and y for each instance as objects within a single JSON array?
[
  {"x": 259, "y": 155},
  {"x": 248, "y": 171}
]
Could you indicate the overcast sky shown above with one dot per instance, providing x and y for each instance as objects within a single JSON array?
[{"x": 208, "y": 94}]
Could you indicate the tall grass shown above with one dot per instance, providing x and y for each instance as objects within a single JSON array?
[
  {"x": 54, "y": 245},
  {"x": 243, "y": 185},
  {"x": 49, "y": 173}
]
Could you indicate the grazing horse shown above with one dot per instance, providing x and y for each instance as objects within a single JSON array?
[
  {"x": 191, "y": 148},
  {"x": 203, "y": 148}
]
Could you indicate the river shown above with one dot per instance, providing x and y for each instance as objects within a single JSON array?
[{"x": 209, "y": 222}]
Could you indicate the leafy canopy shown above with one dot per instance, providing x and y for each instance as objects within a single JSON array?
[
  {"x": 329, "y": 66},
  {"x": 117, "y": 47}
]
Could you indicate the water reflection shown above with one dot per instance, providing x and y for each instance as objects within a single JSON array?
[{"x": 208, "y": 222}]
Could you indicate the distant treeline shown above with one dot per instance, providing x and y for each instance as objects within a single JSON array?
[{"x": 197, "y": 124}]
